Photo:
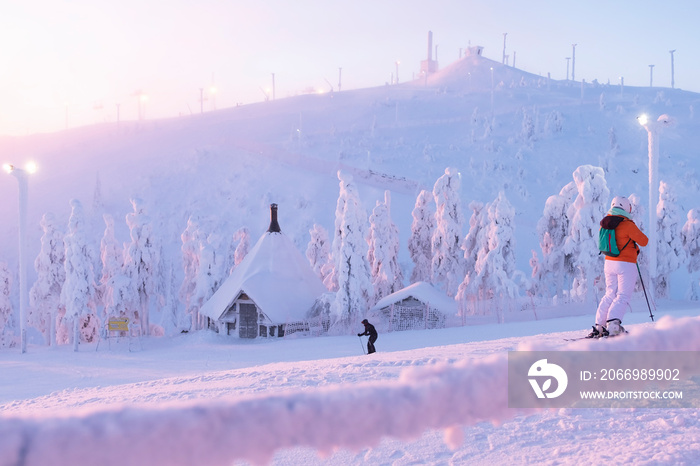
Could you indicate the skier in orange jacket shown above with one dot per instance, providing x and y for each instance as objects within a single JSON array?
[{"x": 620, "y": 271}]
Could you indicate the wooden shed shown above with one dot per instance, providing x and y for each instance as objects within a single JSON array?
[{"x": 418, "y": 306}]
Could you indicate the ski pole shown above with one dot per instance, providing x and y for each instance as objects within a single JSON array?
[
  {"x": 645, "y": 293},
  {"x": 362, "y": 345}
]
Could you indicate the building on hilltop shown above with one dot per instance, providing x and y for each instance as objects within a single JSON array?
[{"x": 429, "y": 66}]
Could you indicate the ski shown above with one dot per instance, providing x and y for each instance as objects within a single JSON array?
[{"x": 594, "y": 338}]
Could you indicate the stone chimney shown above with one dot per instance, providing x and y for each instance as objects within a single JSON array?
[{"x": 274, "y": 226}]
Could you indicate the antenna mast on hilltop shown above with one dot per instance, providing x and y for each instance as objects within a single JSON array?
[
  {"x": 651, "y": 75},
  {"x": 573, "y": 62},
  {"x": 504, "y": 48},
  {"x": 673, "y": 80}
]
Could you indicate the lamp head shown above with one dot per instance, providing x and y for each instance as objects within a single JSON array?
[
  {"x": 29, "y": 168},
  {"x": 643, "y": 119}
]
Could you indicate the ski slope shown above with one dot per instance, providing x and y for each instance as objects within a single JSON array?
[{"x": 428, "y": 397}]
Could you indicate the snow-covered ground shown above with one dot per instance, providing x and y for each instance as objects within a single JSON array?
[{"x": 427, "y": 397}]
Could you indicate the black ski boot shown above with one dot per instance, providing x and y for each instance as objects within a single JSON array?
[
  {"x": 615, "y": 327},
  {"x": 598, "y": 332}
]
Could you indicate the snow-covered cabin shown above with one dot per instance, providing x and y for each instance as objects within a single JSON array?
[
  {"x": 417, "y": 306},
  {"x": 272, "y": 287}
]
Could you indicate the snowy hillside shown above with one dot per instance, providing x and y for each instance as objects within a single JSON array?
[{"x": 227, "y": 166}]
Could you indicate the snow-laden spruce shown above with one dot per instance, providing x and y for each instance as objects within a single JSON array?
[
  {"x": 190, "y": 264},
  {"x": 141, "y": 261},
  {"x": 7, "y": 337},
  {"x": 639, "y": 215},
  {"x": 210, "y": 273},
  {"x": 78, "y": 294},
  {"x": 581, "y": 246},
  {"x": 318, "y": 251},
  {"x": 241, "y": 238},
  {"x": 670, "y": 254},
  {"x": 45, "y": 294},
  {"x": 351, "y": 271},
  {"x": 447, "y": 265},
  {"x": 470, "y": 245},
  {"x": 490, "y": 285},
  {"x": 383, "y": 253},
  {"x": 419, "y": 243},
  {"x": 117, "y": 293},
  {"x": 690, "y": 237},
  {"x": 556, "y": 268}
]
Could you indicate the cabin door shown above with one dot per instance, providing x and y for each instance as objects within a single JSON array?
[{"x": 249, "y": 320}]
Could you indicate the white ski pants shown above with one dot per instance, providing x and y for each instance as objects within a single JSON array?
[{"x": 620, "y": 279}]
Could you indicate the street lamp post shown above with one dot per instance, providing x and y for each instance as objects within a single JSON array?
[
  {"x": 653, "y": 128},
  {"x": 22, "y": 176}
]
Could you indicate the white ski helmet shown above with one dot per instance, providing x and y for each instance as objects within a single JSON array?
[{"x": 622, "y": 202}]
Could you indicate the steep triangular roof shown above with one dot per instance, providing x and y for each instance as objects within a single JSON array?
[{"x": 276, "y": 276}]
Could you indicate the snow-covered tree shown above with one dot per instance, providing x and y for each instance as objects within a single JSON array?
[
  {"x": 612, "y": 138},
  {"x": 581, "y": 246},
  {"x": 494, "y": 239},
  {"x": 6, "y": 322},
  {"x": 470, "y": 245},
  {"x": 171, "y": 315},
  {"x": 552, "y": 230},
  {"x": 141, "y": 261},
  {"x": 639, "y": 215},
  {"x": 318, "y": 251},
  {"x": 190, "y": 262},
  {"x": 351, "y": 269},
  {"x": 209, "y": 275},
  {"x": 447, "y": 266},
  {"x": 383, "y": 253},
  {"x": 670, "y": 254},
  {"x": 78, "y": 294},
  {"x": 527, "y": 129},
  {"x": 690, "y": 237},
  {"x": 419, "y": 243},
  {"x": 553, "y": 123},
  {"x": 117, "y": 294},
  {"x": 45, "y": 294},
  {"x": 242, "y": 237}
]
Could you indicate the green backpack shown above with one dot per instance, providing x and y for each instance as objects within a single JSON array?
[{"x": 607, "y": 244}]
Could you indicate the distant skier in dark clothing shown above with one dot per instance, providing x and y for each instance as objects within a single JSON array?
[{"x": 372, "y": 332}]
